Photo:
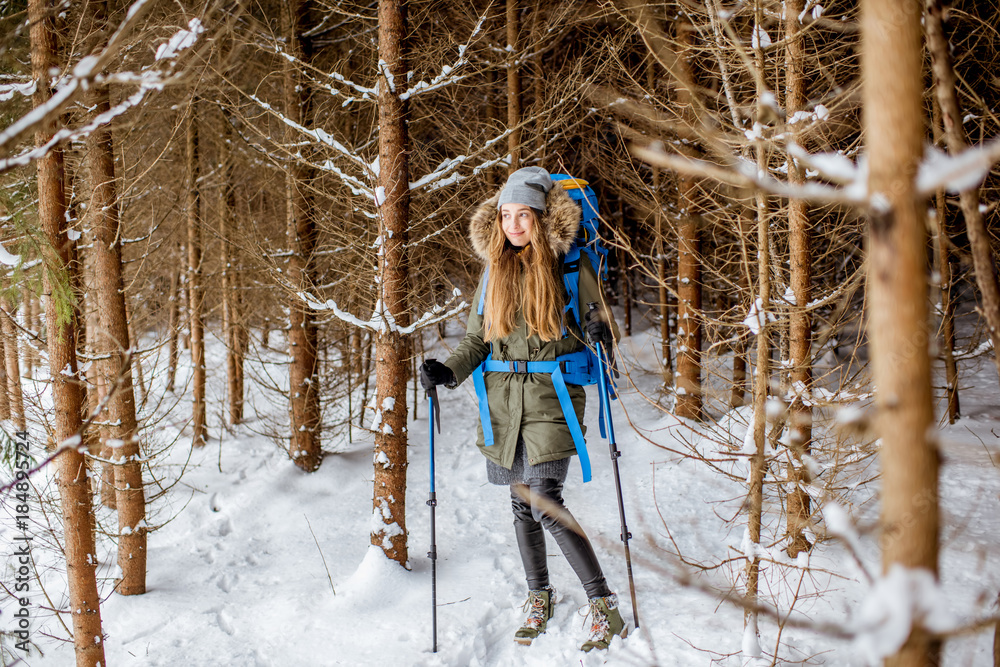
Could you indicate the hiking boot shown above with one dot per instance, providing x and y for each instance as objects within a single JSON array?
[
  {"x": 605, "y": 623},
  {"x": 539, "y": 608}
]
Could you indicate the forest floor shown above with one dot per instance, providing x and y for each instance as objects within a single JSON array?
[{"x": 253, "y": 562}]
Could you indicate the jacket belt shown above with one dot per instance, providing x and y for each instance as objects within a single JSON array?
[{"x": 562, "y": 371}]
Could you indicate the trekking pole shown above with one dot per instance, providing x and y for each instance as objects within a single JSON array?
[
  {"x": 605, "y": 400},
  {"x": 434, "y": 415}
]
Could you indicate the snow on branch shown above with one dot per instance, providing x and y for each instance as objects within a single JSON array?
[
  {"x": 7, "y": 258},
  {"x": 80, "y": 79},
  {"x": 834, "y": 167},
  {"x": 357, "y": 186},
  {"x": 436, "y": 314},
  {"x": 321, "y": 136},
  {"x": 330, "y": 306},
  {"x": 181, "y": 40},
  {"x": 366, "y": 93},
  {"x": 447, "y": 75},
  {"x": 381, "y": 320},
  {"x": 84, "y": 72},
  {"x": 757, "y": 317},
  {"x": 899, "y": 601},
  {"x": 955, "y": 173},
  {"x": 390, "y": 78},
  {"x": 65, "y": 134},
  {"x": 743, "y": 173},
  {"x": 8, "y": 90},
  {"x": 420, "y": 242},
  {"x": 446, "y": 173},
  {"x": 439, "y": 172}
]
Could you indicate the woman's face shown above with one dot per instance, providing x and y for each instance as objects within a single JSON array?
[{"x": 517, "y": 221}]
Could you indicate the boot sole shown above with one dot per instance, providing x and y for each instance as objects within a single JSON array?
[{"x": 623, "y": 634}]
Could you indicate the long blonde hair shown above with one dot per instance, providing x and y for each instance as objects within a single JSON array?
[{"x": 522, "y": 279}]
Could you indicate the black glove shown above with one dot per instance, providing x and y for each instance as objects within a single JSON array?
[
  {"x": 597, "y": 329},
  {"x": 433, "y": 373}
]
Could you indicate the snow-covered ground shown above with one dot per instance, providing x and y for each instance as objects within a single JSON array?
[{"x": 254, "y": 562}]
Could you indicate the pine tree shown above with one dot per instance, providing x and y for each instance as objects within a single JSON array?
[
  {"x": 391, "y": 347},
  {"x": 12, "y": 361},
  {"x": 688, "y": 379},
  {"x": 195, "y": 289},
  {"x": 74, "y": 487},
  {"x": 800, "y": 322},
  {"x": 121, "y": 417},
  {"x": 513, "y": 22},
  {"x": 303, "y": 371},
  {"x": 983, "y": 258},
  {"x": 892, "y": 90}
]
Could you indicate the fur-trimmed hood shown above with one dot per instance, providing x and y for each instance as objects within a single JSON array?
[{"x": 560, "y": 221}]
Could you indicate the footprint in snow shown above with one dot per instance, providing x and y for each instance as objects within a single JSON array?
[
  {"x": 207, "y": 553},
  {"x": 222, "y": 527},
  {"x": 226, "y": 582},
  {"x": 225, "y": 622}
]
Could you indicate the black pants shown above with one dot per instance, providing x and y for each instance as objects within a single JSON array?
[{"x": 540, "y": 504}]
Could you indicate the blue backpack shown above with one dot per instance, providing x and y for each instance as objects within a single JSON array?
[{"x": 581, "y": 367}]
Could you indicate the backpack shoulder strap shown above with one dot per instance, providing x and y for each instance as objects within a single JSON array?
[{"x": 571, "y": 279}]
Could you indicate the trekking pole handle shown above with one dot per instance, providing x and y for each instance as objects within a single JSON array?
[{"x": 591, "y": 307}]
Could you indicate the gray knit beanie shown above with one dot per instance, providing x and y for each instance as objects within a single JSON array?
[{"x": 527, "y": 186}]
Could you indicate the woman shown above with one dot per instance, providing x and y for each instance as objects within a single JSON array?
[{"x": 522, "y": 233}]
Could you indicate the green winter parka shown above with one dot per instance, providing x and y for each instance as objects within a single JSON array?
[{"x": 525, "y": 404}]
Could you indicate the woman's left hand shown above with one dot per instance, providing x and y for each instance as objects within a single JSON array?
[
  {"x": 433, "y": 373},
  {"x": 597, "y": 329}
]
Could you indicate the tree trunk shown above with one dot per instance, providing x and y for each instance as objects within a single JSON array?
[
  {"x": 416, "y": 347},
  {"x": 98, "y": 472},
  {"x": 761, "y": 384},
  {"x": 196, "y": 317},
  {"x": 662, "y": 274},
  {"x": 4, "y": 391},
  {"x": 74, "y": 487},
  {"x": 12, "y": 363},
  {"x": 688, "y": 405},
  {"x": 659, "y": 247},
  {"x": 943, "y": 258},
  {"x": 391, "y": 348},
  {"x": 538, "y": 74},
  {"x": 231, "y": 321},
  {"x": 110, "y": 290},
  {"x": 303, "y": 370},
  {"x": 892, "y": 86},
  {"x": 737, "y": 396},
  {"x": 173, "y": 321},
  {"x": 942, "y": 262},
  {"x": 954, "y": 131},
  {"x": 662, "y": 277},
  {"x": 241, "y": 342},
  {"x": 32, "y": 320},
  {"x": 366, "y": 373},
  {"x": 800, "y": 323},
  {"x": 626, "y": 273},
  {"x": 513, "y": 86},
  {"x": 140, "y": 378},
  {"x": 96, "y": 385}
]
